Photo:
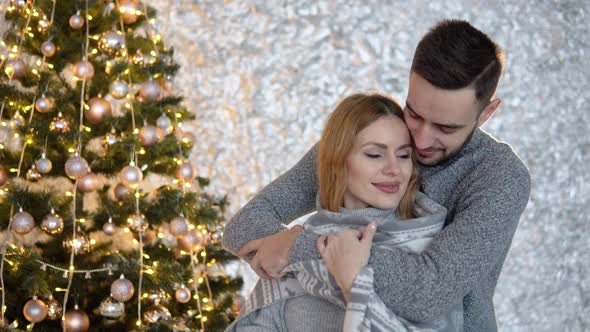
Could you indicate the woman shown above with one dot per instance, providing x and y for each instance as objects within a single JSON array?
[{"x": 366, "y": 172}]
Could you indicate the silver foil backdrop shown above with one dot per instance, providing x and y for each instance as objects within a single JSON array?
[{"x": 263, "y": 75}]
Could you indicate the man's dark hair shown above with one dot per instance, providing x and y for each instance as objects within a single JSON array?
[{"x": 454, "y": 55}]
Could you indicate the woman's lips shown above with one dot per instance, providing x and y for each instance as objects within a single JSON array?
[{"x": 387, "y": 187}]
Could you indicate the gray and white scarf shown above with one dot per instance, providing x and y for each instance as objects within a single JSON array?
[{"x": 365, "y": 311}]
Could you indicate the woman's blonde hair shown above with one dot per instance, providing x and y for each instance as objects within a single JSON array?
[{"x": 353, "y": 114}]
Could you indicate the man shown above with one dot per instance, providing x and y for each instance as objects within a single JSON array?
[{"x": 482, "y": 183}]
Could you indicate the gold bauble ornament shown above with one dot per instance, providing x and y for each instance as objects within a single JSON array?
[
  {"x": 182, "y": 294},
  {"x": 98, "y": 110},
  {"x": 111, "y": 308},
  {"x": 237, "y": 303},
  {"x": 16, "y": 121},
  {"x": 84, "y": 70},
  {"x": 121, "y": 192},
  {"x": 131, "y": 176},
  {"x": 137, "y": 223},
  {"x": 54, "y": 309},
  {"x": 76, "y": 167},
  {"x": 22, "y": 222},
  {"x": 3, "y": 176},
  {"x": 81, "y": 245},
  {"x": 122, "y": 289},
  {"x": 216, "y": 237},
  {"x": 52, "y": 224},
  {"x": 76, "y": 21},
  {"x": 76, "y": 321},
  {"x": 111, "y": 43},
  {"x": 178, "y": 226},
  {"x": 148, "y": 135},
  {"x": 110, "y": 138},
  {"x": 150, "y": 90},
  {"x": 88, "y": 182},
  {"x": 138, "y": 58},
  {"x": 128, "y": 10},
  {"x": 119, "y": 89},
  {"x": 59, "y": 124},
  {"x": 35, "y": 310},
  {"x": 48, "y": 49},
  {"x": 44, "y": 104},
  {"x": 185, "y": 171},
  {"x": 33, "y": 175},
  {"x": 15, "y": 68},
  {"x": 156, "y": 313}
]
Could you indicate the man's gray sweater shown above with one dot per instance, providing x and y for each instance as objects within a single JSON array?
[{"x": 485, "y": 189}]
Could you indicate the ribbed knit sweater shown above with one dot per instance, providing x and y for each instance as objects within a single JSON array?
[{"x": 485, "y": 188}]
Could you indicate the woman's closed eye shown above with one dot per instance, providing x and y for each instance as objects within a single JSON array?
[
  {"x": 372, "y": 155},
  {"x": 404, "y": 156}
]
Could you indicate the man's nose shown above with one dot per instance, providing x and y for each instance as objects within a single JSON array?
[{"x": 423, "y": 136}]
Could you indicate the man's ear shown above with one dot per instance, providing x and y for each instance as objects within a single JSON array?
[{"x": 488, "y": 111}]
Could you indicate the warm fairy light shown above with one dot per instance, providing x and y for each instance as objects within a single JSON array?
[
  {"x": 71, "y": 150},
  {"x": 137, "y": 194},
  {"x": 149, "y": 271},
  {"x": 126, "y": 230},
  {"x": 69, "y": 193},
  {"x": 179, "y": 125},
  {"x": 188, "y": 184},
  {"x": 203, "y": 254},
  {"x": 204, "y": 231},
  {"x": 200, "y": 280},
  {"x": 213, "y": 261},
  {"x": 71, "y": 267},
  {"x": 153, "y": 53},
  {"x": 205, "y": 300},
  {"x": 136, "y": 131},
  {"x": 82, "y": 220},
  {"x": 92, "y": 241},
  {"x": 204, "y": 319},
  {"x": 160, "y": 236},
  {"x": 191, "y": 227},
  {"x": 94, "y": 51},
  {"x": 87, "y": 129},
  {"x": 141, "y": 151},
  {"x": 155, "y": 263},
  {"x": 145, "y": 295},
  {"x": 50, "y": 66},
  {"x": 13, "y": 170},
  {"x": 89, "y": 17},
  {"x": 138, "y": 323},
  {"x": 146, "y": 256}
]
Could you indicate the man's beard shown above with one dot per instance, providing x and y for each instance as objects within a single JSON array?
[{"x": 454, "y": 152}]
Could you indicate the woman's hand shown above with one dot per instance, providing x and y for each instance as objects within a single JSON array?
[
  {"x": 272, "y": 252},
  {"x": 346, "y": 254}
]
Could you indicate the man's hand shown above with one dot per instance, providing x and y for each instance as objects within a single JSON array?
[
  {"x": 272, "y": 252},
  {"x": 346, "y": 254}
]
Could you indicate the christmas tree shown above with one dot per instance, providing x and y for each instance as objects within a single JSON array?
[{"x": 104, "y": 223}]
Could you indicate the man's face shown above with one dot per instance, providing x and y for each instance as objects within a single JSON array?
[{"x": 440, "y": 121}]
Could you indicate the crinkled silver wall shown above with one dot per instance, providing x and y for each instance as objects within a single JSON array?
[{"x": 263, "y": 75}]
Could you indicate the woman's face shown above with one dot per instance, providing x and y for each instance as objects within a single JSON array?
[{"x": 379, "y": 165}]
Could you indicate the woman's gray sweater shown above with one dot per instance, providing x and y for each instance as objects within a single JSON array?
[{"x": 485, "y": 189}]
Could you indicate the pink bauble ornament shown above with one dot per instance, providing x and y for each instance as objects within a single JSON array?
[
  {"x": 185, "y": 171},
  {"x": 88, "y": 182},
  {"x": 178, "y": 226},
  {"x": 84, "y": 70},
  {"x": 131, "y": 176},
  {"x": 122, "y": 289},
  {"x": 182, "y": 294},
  {"x": 76, "y": 21},
  {"x": 35, "y": 310},
  {"x": 44, "y": 104},
  {"x": 48, "y": 49},
  {"x": 128, "y": 10},
  {"x": 121, "y": 192},
  {"x": 150, "y": 90},
  {"x": 76, "y": 167},
  {"x": 22, "y": 222},
  {"x": 148, "y": 135},
  {"x": 52, "y": 224},
  {"x": 76, "y": 321},
  {"x": 98, "y": 110},
  {"x": 191, "y": 240}
]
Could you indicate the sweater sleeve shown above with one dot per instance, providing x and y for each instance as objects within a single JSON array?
[
  {"x": 420, "y": 287},
  {"x": 285, "y": 199}
]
